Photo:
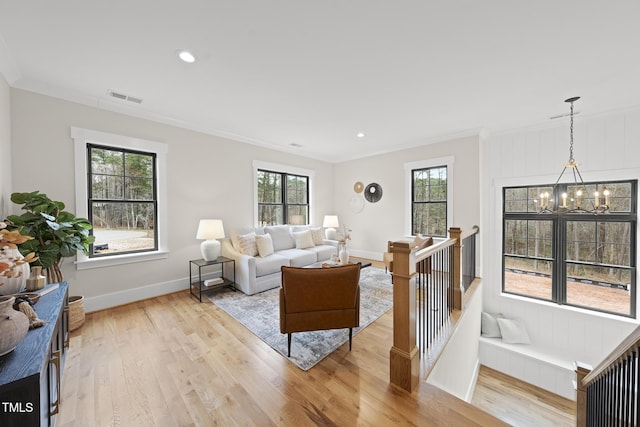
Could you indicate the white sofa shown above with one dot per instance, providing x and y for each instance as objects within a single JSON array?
[{"x": 259, "y": 252}]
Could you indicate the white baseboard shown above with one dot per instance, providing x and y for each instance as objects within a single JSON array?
[
  {"x": 115, "y": 299},
  {"x": 472, "y": 386},
  {"x": 376, "y": 256}
]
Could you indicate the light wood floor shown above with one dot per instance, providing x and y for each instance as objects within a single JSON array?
[
  {"x": 519, "y": 403},
  {"x": 172, "y": 361}
]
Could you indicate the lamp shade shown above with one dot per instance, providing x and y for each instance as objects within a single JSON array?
[
  {"x": 209, "y": 230},
  {"x": 331, "y": 221}
]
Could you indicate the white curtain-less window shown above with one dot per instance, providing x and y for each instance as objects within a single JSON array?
[
  {"x": 429, "y": 201},
  {"x": 282, "y": 194},
  {"x": 121, "y": 189},
  {"x": 429, "y": 196}
]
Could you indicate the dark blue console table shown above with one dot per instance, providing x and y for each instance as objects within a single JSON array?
[{"x": 31, "y": 375}]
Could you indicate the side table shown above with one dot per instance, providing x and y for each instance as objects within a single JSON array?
[{"x": 197, "y": 285}]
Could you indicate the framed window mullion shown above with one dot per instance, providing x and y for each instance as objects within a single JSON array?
[
  {"x": 633, "y": 289},
  {"x": 559, "y": 278},
  {"x": 284, "y": 200}
]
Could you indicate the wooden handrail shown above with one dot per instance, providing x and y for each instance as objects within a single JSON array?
[
  {"x": 425, "y": 253},
  {"x": 474, "y": 230},
  {"x": 620, "y": 352}
]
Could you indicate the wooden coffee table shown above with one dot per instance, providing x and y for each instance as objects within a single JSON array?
[{"x": 328, "y": 263}]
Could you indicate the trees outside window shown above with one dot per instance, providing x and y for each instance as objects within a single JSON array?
[
  {"x": 577, "y": 259},
  {"x": 429, "y": 201},
  {"x": 122, "y": 200},
  {"x": 283, "y": 198}
]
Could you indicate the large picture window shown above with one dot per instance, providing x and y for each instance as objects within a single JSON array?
[
  {"x": 579, "y": 259},
  {"x": 283, "y": 198},
  {"x": 429, "y": 201}
]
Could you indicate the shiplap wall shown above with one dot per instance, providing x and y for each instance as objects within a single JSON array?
[{"x": 607, "y": 146}]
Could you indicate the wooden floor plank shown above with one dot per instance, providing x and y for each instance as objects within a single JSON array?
[
  {"x": 520, "y": 403},
  {"x": 172, "y": 361}
]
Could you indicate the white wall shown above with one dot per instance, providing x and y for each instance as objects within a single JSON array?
[
  {"x": 5, "y": 146},
  {"x": 461, "y": 353},
  {"x": 386, "y": 220},
  {"x": 208, "y": 177},
  {"x": 607, "y": 146}
]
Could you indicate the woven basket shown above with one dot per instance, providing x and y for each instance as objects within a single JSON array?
[{"x": 76, "y": 312}]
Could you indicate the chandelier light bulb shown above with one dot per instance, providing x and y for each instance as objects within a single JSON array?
[{"x": 186, "y": 56}]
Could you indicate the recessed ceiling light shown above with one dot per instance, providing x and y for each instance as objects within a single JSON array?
[
  {"x": 186, "y": 56},
  {"x": 360, "y": 135}
]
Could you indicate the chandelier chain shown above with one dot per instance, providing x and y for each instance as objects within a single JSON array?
[{"x": 571, "y": 159}]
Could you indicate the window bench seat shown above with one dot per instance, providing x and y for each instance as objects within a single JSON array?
[{"x": 535, "y": 365}]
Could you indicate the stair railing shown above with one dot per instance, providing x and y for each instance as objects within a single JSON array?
[
  {"x": 608, "y": 395},
  {"x": 427, "y": 287}
]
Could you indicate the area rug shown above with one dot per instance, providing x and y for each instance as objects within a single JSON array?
[{"x": 260, "y": 313}]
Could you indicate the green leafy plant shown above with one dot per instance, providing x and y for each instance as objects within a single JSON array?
[{"x": 56, "y": 233}]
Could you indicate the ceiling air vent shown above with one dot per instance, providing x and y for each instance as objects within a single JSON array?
[{"x": 125, "y": 97}]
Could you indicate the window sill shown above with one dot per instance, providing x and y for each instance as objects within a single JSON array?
[
  {"x": 88, "y": 263},
  {"x": 621, "y": 318}
]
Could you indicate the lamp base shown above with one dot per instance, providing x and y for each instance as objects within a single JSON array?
[
  {"x": 331, "y": 233},
  {"x": 210, "y": 250}
]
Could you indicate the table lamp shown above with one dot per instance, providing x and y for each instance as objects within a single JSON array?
[
  {"x": 331, "y": 223},
  {"x": 210, "y": 230}
]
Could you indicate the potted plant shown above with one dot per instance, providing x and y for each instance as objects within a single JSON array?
[{"x": 56, "y": 233}]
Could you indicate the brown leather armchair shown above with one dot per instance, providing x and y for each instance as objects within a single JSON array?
[{"x": 313, "y": 299}]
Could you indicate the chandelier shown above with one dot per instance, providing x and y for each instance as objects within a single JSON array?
[{"x": 580, "y": 201}]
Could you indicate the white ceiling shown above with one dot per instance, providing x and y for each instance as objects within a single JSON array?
[{"x": 278, "y": 72}]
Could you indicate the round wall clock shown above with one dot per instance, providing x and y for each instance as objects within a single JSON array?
[
  {"x": 358, "y": 187},
  {"x": 373, "y": 192},
  {"x": 356, "y": 203}
]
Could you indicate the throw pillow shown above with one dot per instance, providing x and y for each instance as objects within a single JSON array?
[
  {"x": 513, "y": 331},
  {"x": 489, "y": 325},
  {"x": 304, "y": 239},
  {"x": 247, "y": 244},
  {"x": 265, "y": 245},
  {"x": 318, "y": 235},
  {"x": 281, "y": 236},
  {"x": 236, "y": 232}
]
